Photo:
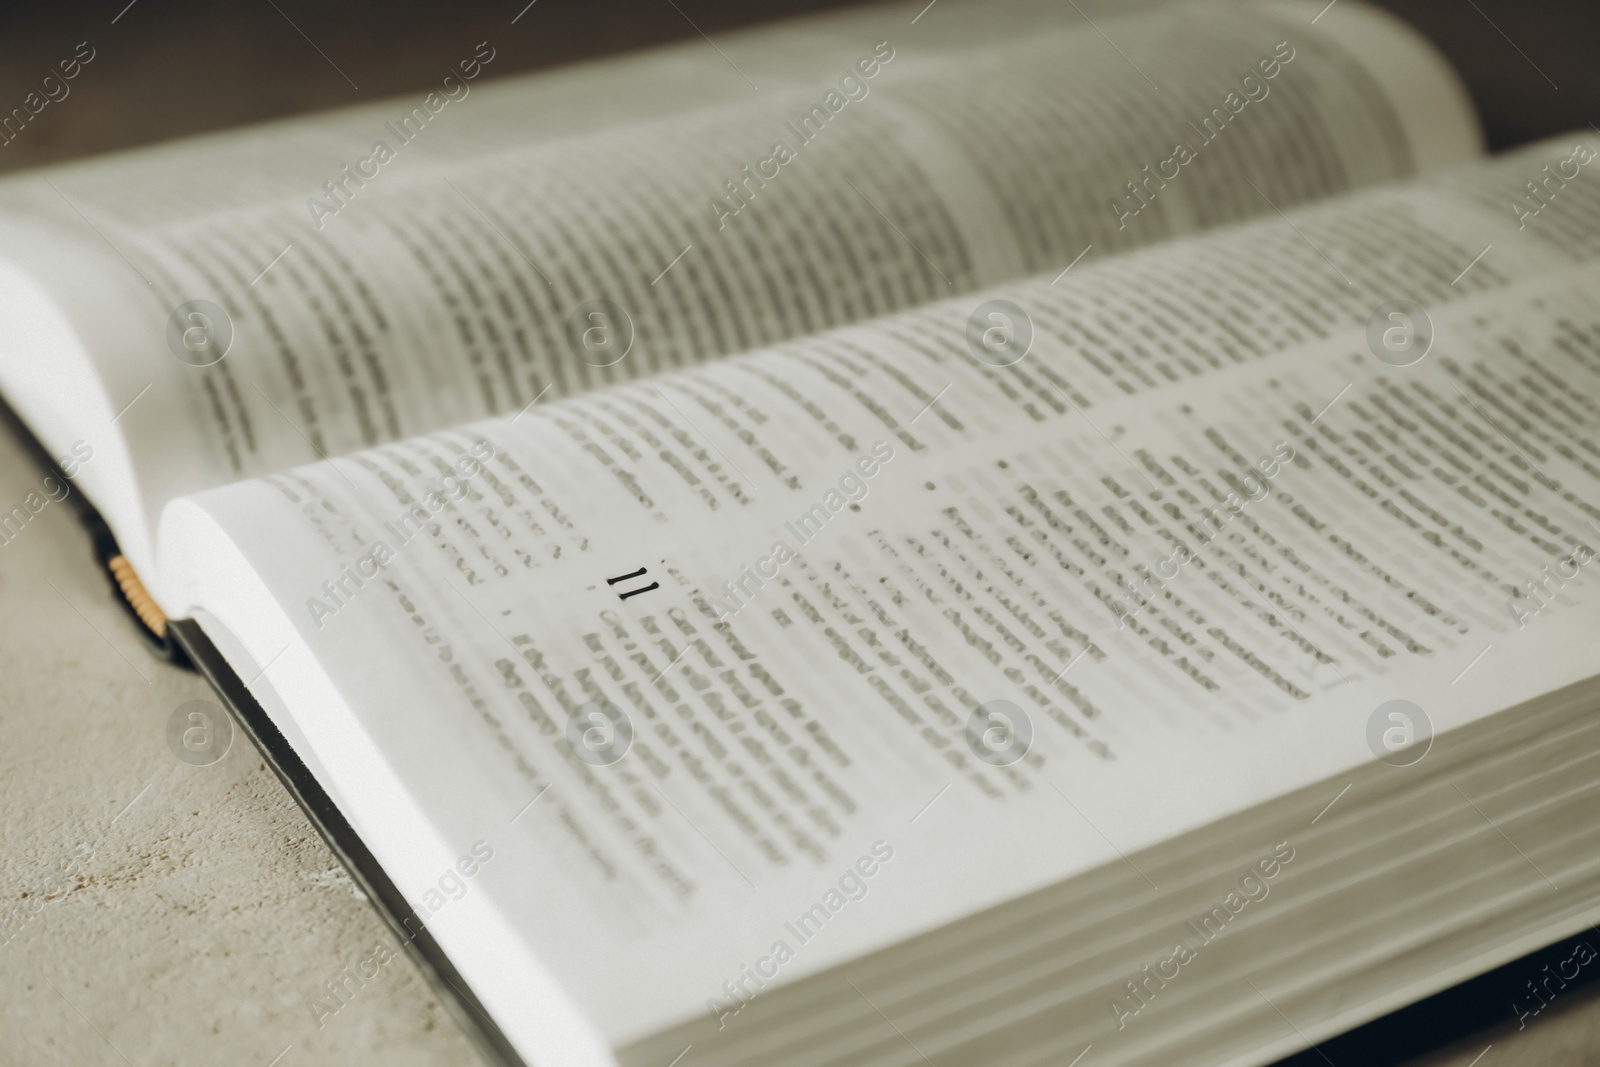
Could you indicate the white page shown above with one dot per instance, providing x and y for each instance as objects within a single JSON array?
[
  {"x": 893, "y": 623},
  {"x": 452, "y": 284}
]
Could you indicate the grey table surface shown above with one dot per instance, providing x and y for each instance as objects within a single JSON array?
[
  {"x": 199, "y": 914},
  {"x": 202, "y": 915}
]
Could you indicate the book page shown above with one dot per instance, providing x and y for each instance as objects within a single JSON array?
[
  {"x": 395, "y": 291},
  {"x": 913, "y": 617}
]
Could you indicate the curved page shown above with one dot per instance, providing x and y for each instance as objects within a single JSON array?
[
  {"x": 365, "y": 287},
  {"x": 909, "y": 619}
]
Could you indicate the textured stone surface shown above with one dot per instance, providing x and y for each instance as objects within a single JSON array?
[{"x": 201, "y": 913}]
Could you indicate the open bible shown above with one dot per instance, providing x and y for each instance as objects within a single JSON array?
[{"x": 748, "y": 559}]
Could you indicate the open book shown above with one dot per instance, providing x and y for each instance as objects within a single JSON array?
[{"x": 779, "y": 575}]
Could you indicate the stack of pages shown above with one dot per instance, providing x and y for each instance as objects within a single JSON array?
[{"x": 751, "y": 562}]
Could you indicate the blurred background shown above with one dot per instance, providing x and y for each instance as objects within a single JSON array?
[{"x": 166, "y": 68}]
